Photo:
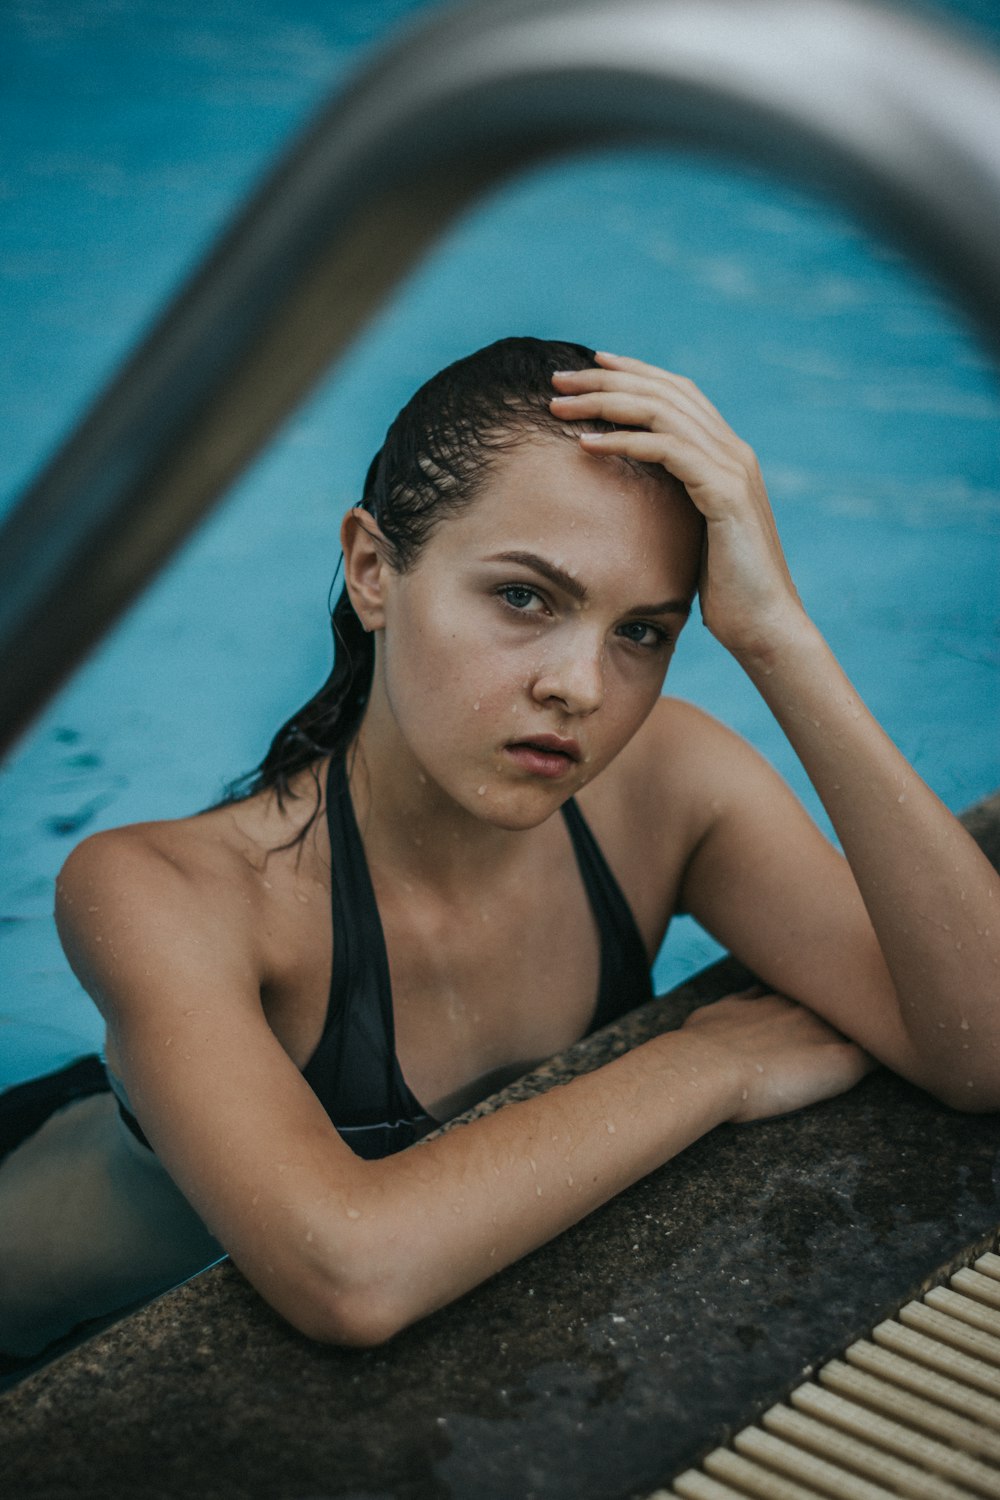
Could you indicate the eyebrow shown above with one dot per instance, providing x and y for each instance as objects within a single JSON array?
[{"x": 576, "y": 590}]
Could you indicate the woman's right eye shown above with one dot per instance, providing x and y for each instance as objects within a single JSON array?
[{"x": 519, "y": 596}]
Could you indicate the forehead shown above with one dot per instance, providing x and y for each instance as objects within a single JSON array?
[{"x": 597, "y": 518}]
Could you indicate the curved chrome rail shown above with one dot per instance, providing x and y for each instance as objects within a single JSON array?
[{"x": 886, "y": 110}]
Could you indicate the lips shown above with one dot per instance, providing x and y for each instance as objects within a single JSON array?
[
  {"x": 546, "y": 755},
  {"x": 550, "y": 744}
]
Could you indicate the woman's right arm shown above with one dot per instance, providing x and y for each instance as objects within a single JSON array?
[{"x": 351, "y": 1251}]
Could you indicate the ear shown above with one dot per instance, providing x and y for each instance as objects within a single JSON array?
[{"x": 366, "y": 566}]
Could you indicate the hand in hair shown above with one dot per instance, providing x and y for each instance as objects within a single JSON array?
[
  {"x": 931, "y": 985},
  {"x": 748, "y": 600}
]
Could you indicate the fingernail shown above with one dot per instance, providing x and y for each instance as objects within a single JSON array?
[
  {"x": 606, "y": 354},
  {"x": 564, "y": 372}
]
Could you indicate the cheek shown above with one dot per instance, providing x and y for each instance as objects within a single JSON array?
[{"x": 445, "y": 669}]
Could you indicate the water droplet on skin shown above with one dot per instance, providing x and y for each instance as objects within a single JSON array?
[
  {"x": 532, "y": 1164},
  {"x": 759, "y": 1067},
  {"x": 610, "y": 1127},
  {"x": 964, "y": 1023},
  {"x": 302, "y": 897},
  {"x": 169, "y": 1042},
  {"x": 941, "y": 1026},
  {"x": 901, "y": 797},
  {"x": 421, "y": 778},
  {"x": 969, "y": 1084},
  {"x": 538, "y": 1190},
  {"x": 958, "y": 947},
  {"x": 309, "y": 1237},
  {"x": 352, "y": 1213},
  {"x": 475, "y": 706},
  {"x": 744, "y": 1095},
  {"x": 481, "y": 791},
  {"x": 569, "y": 1182},
  {"x": 255, "y": 1200}
]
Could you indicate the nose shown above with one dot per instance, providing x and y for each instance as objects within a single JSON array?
[{"x": 573, "y": 677}]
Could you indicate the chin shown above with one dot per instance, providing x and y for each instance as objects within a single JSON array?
[{"x": 520, "y": 809}]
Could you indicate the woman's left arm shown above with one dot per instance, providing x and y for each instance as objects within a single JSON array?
[{"x": 924, "y": 964}]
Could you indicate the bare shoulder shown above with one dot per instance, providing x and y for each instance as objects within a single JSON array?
[
  {"x": 654, "y": 804},
  {"x": 128, "y": 896},
  {"x": 673, "y": 774}
]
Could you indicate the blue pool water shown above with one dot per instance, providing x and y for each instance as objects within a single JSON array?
[{"x": 128, "y": 134}]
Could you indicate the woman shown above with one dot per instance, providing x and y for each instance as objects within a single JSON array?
[{"x": 504, "y": 813}]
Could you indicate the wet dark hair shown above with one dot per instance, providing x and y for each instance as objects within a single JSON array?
[{"x": 434, "y": 460}]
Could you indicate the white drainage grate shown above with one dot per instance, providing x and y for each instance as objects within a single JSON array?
[{"x": 913, "y": 1410}]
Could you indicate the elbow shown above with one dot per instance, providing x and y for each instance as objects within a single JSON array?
[
  {"x": 353, "y": 1304},
  {"x": 975, "y": 1097},
  {"x": 357, "y": 1319}
]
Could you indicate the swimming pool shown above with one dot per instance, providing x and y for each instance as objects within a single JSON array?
[{"x": 130, "y": 135}]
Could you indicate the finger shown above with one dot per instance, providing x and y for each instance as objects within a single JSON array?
[
  {"x": 663, "y": 404},
  {"x": 640, "y": 367},
  {"x": 659, "y": 386},
  {"x": 636, "y": 409},
  {"x": 683, "y": 461},
  {"x": 660, "y": 383}
]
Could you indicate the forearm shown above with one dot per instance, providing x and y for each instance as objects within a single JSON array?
[
  {"x": 930, "y": 893},
  {"x": 442, "y": 1217}
]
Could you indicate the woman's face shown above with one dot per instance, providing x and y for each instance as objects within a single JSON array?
[{"x": 529, "y": 640}]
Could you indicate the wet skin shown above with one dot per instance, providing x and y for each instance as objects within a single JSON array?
[
  {"x": 482, "y": 647},
  {"x": 208, "y": 944}
]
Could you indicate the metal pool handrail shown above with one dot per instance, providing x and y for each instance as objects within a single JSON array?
[{"x": 895, "y": 114}]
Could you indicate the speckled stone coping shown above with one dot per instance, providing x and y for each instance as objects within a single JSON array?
[{"x": 597, "y": 1367}]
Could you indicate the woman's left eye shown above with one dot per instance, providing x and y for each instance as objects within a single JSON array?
[
  {"x": 642, "y": 634},
  {"x": 519, "y": 596}
]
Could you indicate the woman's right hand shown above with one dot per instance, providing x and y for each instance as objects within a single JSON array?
[{"x": 781, "y": 1055}]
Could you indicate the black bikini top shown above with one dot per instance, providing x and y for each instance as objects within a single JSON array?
[{"x": 354, "y": 1070}]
